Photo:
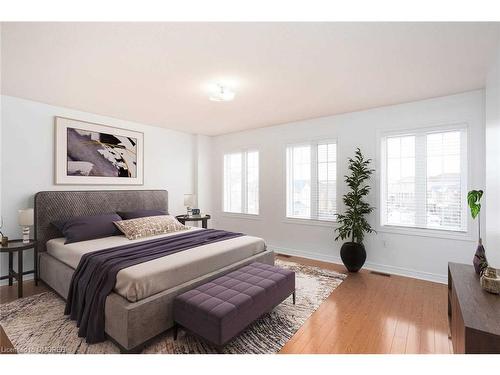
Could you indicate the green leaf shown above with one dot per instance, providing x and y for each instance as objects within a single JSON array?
[{"x": 473, "y": 199}]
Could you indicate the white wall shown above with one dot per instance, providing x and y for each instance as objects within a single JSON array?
[
  {"x": 27, "y": 153},
  {"x": 203, "y": 175},
  {"x": 404, "y": 253},
  {"x": 492, "y": 192},
  {"x": 1, "y": 127}
]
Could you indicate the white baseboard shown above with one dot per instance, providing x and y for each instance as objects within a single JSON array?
[{"x": 400, "y": 271}]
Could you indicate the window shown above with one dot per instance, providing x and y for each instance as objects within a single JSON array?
[
  {"x": 241, "y": 182},
  {"x": 311, "y": 180},
  {"x": 424, "y": 179}
]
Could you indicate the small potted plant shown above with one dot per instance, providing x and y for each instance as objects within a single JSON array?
[
  {"x": 474, "y": 199},
  {"x": 352, "y": 223}
]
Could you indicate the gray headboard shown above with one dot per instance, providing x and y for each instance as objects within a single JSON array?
[{"x": 56, "y": 205}]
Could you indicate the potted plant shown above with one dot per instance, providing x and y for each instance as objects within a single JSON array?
[
  {"x": 352, "y": 223},
  {"x": 474, "y": 199}
]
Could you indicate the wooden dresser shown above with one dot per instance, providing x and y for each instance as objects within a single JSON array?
[{"x": 474, "y": 314}]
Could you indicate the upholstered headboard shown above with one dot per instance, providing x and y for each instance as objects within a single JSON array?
[{"x": 56, "y": 205}]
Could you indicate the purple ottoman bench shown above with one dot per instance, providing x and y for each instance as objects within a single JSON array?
[{"x": 220, "y": 309}]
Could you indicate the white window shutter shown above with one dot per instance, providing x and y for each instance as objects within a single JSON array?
[
  {"x": 424, "y": 179},
  {"x": 311, "y": 180},
  {"x": 241, "y": 182}
]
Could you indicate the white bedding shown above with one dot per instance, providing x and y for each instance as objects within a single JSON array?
[{"x": 145, "y": 279}]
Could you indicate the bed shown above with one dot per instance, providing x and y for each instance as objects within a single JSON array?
[{"x": 140, "y": 307}]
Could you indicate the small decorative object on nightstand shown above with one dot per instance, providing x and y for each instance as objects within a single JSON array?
[
  {"x": 490, "y": 280},
  {"x": 18, "y": 246},
  {"x": 26, "y": 220},
  {"x": 4, "y": 238},
  {"x": 189, "y": 202},
  {"x": 203, "y": 218}
]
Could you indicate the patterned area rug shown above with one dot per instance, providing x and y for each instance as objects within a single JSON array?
[{"x": 36, "y": 324}]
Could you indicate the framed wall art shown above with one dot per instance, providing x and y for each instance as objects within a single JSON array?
[{"x": 94, "y": 154}]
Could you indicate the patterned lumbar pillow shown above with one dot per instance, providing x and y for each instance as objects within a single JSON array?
[{"x": 149, "y": 226}]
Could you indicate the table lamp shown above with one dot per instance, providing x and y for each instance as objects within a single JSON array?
[
  {"x": 189, "y": 202},
  {"x": 26, "y": 220}
]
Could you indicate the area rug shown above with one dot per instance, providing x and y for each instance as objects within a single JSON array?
[{"x": 36, "y": 324}]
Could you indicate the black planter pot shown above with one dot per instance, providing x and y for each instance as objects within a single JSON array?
[{"x": 353, "y": 256}]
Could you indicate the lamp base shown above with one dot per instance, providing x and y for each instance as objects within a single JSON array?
[{"x": 26, "y": 234}]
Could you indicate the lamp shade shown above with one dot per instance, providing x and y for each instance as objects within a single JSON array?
[
  {"x": 189, "y": 200},
  {"x": 25, "y": 217}
]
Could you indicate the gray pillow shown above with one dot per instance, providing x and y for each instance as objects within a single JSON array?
[
  {"x": 83, "y": 228},
  {"x": 140, "y": 213}
]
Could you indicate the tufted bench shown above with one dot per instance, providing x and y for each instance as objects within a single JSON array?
[{"x": 222, "y": 308}]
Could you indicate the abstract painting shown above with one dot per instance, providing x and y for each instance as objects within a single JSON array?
[{"x": 88, "y": 153}]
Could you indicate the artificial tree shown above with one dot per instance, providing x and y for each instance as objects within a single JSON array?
[{"x": 353, "y": 223}]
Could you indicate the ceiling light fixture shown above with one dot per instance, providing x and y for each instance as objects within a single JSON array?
[{"x": 222, "y": 94}]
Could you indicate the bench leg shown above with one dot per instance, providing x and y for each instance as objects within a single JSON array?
[{"x": 293, "y": 297}]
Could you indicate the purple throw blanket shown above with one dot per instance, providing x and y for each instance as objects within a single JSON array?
[{"x": 95, "y": 276}]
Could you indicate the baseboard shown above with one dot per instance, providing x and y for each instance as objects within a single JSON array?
[{"x": 400, "y": 271}]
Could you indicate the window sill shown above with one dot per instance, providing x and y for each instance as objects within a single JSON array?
[
  {"x": 424, "y": 232},
  {"x": 237, "y": 215},
  {"x": 313, "y": 222}
]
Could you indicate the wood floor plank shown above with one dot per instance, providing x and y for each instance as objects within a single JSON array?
[
  {"x": 441, "y": 340},
  {"x": 413, "y": 339},
  {"x": 379, "y": 340},
  {"x": 339, "y": 337},
  {"x": 398, "y": 345},
  {"x": 352, "y": 337}
]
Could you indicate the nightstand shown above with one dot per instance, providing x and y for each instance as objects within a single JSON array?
[
  {"x": 203, "y": 218},
  {"x": 17, "y": 246}
]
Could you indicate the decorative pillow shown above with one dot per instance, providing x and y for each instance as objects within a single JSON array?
[
  {"x": 83, "y": 228},
  {"x": 149, "y": 226},
  {"x": 140, "y": 213}
]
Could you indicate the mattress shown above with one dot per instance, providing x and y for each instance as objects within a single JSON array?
[{"x": 146, "y": 279}]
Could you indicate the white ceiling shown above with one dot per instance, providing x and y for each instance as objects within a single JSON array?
[{"x": 155, "y": 73}]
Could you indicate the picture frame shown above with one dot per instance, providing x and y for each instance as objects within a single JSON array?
[{"x": 87, "y": 153}]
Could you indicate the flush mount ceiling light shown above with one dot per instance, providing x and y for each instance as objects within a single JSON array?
[{"x": 221, "y": 94}]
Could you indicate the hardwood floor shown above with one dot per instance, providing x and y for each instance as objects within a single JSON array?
[
  {"x": 371, "y": 313},
  {"x": 9, "y": 294},
  {"x": 367, "y": 313}
]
